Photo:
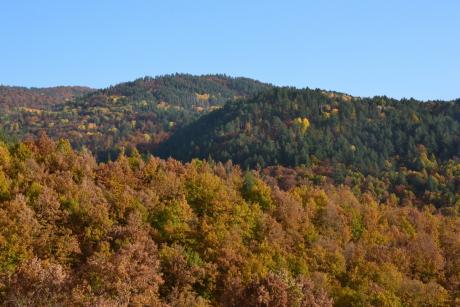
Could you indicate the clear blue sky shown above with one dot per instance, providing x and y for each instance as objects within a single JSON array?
[{"x": 393, "y": 47}]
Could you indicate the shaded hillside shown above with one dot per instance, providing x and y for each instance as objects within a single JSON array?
[
  {"x": 139, "y": 113},
  {"x": 303, "y": 127}
]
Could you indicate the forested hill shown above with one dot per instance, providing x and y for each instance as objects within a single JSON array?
[
  {"x": 14, "y": 96},
  {"x": 190, "y": 92},
  {"x": 292, "y": 127},
  {"x": 139, "y": 113},
  {"x": 261, "y": 125}
]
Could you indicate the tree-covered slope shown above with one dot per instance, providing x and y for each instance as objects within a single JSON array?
[
  {"x": 139, "y": 113},
  {"x": 292, "y": 127}
]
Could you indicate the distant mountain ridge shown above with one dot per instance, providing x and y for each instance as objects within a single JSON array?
[{"x": 14, "y": 96}]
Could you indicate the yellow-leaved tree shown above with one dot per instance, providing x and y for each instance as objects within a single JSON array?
[{"x": 302, "y": 123}]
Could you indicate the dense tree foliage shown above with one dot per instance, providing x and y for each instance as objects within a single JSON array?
[
  {"x": 300, "y": 127},
  {"x": 307, "y": 197},
  {"x": 159, "y": 232},
  {"x": 141, "y": 113}
]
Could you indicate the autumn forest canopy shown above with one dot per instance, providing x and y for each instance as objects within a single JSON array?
[{"x": 210, "y": 190}]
